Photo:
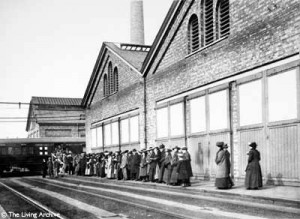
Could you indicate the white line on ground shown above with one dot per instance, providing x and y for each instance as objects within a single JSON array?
[
  {"x": 99, "y": 213},
  {"x": 205, "y": 210}
]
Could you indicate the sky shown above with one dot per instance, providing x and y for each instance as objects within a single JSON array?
[{"x": 49, "y": 47}]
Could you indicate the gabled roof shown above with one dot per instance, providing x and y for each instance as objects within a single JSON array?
[
  {"x": 132, "y": 55},
  {"x": 162, "y": 33},
  {"x": 51, "y": 101}
]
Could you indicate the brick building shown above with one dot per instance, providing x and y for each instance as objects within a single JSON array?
[
  {"x": 228, "y": 71},
  {"x": 114, "y": 99},
  {"x": 218, "y": 70},
  {"x": 55, "y": 117}
]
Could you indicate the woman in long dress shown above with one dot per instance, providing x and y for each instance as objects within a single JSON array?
[
  {"x": 167, "y": 164},
  {"x": 253, "y": 178},
  {"x": 174, "y": 163},
  {"x": 223, "y": 180}
]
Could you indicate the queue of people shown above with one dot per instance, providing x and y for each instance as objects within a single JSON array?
[{"x": 156, "y": 164}]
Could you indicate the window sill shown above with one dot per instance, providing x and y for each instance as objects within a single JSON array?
[
  {"x": 207, "y": 46},
  {"x": 247, "y": 127},
  {"x": 197, "y": 134},
  {"x": 284, "y": 123},
  {"x": 218, "y": 131}
]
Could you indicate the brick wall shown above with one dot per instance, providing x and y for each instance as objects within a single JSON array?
[
  {"x": 129, "y": 97},
  {"x": 261, "y": 32}
]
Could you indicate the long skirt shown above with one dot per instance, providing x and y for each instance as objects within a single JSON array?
[
  {"x": 253, "y": 178},
  {"x": 124, "y": 171},
  {"x": 224, "y": 183},
  {"x": 174, "y": 175},
  {"x": 167, "y": 174},
  {"x": 156, "y": 175}
]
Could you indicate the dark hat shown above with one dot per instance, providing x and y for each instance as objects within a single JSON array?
[
  {"x": 220, "y": 144},
  {"x": 252, "y": 144},
  {"x": 176, "y": 147},
  {"x": 184, "y": 148},
  {"x": 225, "y": 146},
  {"x": 149, "y": 149},
  {"x": 161, "y": 146},
  {"x": 124, "y": 152},
  {"x": 133, "y": 150},
  {"x": 169, "y": 150}
]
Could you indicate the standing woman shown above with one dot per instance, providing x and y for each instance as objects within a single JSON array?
[
  {"x": 253, "y": 171},
  {"x": 174, "y": 163},
  {"x": 223, "y": 180}
]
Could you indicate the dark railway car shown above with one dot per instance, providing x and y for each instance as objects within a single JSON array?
[{"x": 27, "y": 154}]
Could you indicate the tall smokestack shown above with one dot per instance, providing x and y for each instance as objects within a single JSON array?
[{"x": 137, "y": 22}]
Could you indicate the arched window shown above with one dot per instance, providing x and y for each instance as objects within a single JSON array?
[
  {"x": 207, "y": 22},
  {"x": 110, "y": 79},
  {"x": 116, "y": 80},
  {"x": 193, "y": 33},
  {"x": 105, "y": 86},
  {"x": 222, "y": 19}
]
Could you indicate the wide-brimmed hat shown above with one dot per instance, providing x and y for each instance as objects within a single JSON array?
[
  {"x": 176, "y": 147},
  {"x": 252, "y": 144},
  {"x": 184, "y": 148},
  {"x": 133, "y": 150},
  {"x": 220, "y": 144},
  {"x": 150, "y": 149},
  {"x": 169, "y": 150},
  {"x": 161, "y": 146}
]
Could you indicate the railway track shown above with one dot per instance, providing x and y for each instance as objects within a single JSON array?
[{"x": 42, "y": 209}]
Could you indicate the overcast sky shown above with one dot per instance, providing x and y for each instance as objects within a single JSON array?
[{"x": 49, "y": 47}]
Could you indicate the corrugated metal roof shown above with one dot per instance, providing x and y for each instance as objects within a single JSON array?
[{"x": 56, "y": 101}]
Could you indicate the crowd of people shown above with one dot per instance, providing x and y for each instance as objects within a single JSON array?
[{"x": 156, "y": 164}]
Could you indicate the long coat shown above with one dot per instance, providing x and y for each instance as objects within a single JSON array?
[
  {"x": 253, "y": 178},
  {"x": 143, "y": 166},
  {"x": 161, "y": 165},
  {"x": 187, "y": 158},
  {"x": 182, "y": 170},
  {"x": 174, "y": 174},
  {"x": 124, "y": 164},
  {"x": 223, "y": 179},
  {"x": 168, "y": 169},
  {"x": 135, "y": 163}
]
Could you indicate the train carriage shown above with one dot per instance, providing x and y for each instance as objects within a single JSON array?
[{"x": 27, "y": 154}]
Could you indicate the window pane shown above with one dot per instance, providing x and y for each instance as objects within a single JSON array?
[
  {"x": 198, "y": 121},
  {"x": 124, "y": 131},
  {"x": 250, "y": 103},
  {"x": 282, "y": 96},
  {"x": 162, "y": 122},
  {"x": 115, "y": 133},
  {"x": 94, "y": 138},
  {"x": 107, "y": 134},
  {"x": 218, "y": 110},
  {"x": 99, "y": 137},
  {"x": 176, "y": 119},
  {"x": 134, "y": 129}
]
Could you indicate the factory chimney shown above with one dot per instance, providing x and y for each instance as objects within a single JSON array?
[{"x": 137, "y": 22}]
